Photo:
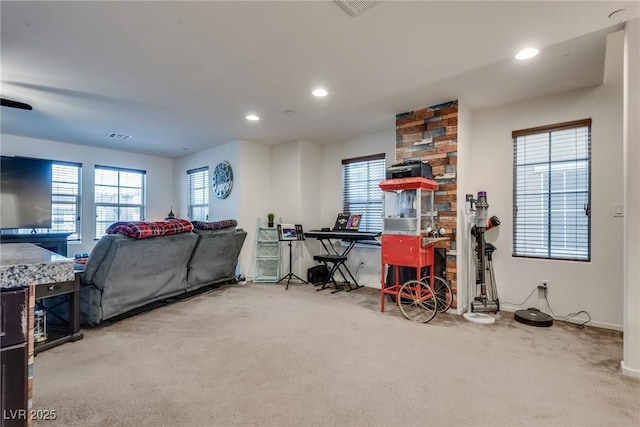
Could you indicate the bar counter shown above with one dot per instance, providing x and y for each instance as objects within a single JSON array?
[
  {"x": 22, "y": 267},
  {"x": 25, "y": 264}
]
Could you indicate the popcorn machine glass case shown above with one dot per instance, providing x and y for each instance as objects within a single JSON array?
[{"x": 408, "y": 206}]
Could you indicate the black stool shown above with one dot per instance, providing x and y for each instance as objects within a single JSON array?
[{"x": 336, "y": 261}]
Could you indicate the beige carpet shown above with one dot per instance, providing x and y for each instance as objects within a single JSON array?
[{"x": 257, "y": 355}]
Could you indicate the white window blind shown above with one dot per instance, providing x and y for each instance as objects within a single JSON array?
[
  {"x": 198, "y": 194},
  {"x": 552, "y": 183},
  {"x": 361, "y": 193},
  {"x": 119, "y": 196},
  {"x": 65, "y": 200}
]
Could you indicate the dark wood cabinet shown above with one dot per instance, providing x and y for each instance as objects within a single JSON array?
[
  {"x": 13, "y": 405},
  {"x": 13, "y": 313},
  {"x": 13, "y": 358},
  {"x": 54, "y": 242}
]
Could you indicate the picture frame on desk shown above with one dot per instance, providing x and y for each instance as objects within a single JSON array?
[
  {"x": 346, "y": 221},
  {"x": 354, "y": 222}
]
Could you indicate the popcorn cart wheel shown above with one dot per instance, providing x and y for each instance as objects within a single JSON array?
[
  {"x": 417, "y": 301},
  {"x": 420, "y": 302},
  {"x": 442, "y": 292}
]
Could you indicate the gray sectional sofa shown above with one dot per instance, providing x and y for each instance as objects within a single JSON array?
[{"x": 123, "y": 273}]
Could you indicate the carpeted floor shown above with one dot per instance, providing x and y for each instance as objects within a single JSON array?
[{"x": 257, "y": 355}]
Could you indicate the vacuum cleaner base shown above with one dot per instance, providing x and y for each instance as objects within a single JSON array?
[
  {"x": 484, "y": 319},
  {"x": 484, "y": 307},
  {"x": 533, "y": 317}
]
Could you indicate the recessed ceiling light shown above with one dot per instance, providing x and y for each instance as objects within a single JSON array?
[
  {"x": 253, "y": 117},
  {"x": 527, "y": 53},
  {"x": 319, "y": 92}
]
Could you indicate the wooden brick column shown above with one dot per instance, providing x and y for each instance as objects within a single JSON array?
[{"x": 431, "y": 134}]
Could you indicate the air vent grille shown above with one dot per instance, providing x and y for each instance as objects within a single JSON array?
[
  {"x": 358, "y": 7},
  {"x": 118, "y": 136}
]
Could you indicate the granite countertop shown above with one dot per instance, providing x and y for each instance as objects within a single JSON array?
[{"x": 24, "y": 264}]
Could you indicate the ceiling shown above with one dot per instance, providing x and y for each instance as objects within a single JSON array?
[{"x": 180, "y": 77}]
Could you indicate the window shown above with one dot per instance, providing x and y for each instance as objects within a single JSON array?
[
  {"x": 551, "y": 191},
  {"x": 361, "y": 193},
  {"x": 198, "y": 194},
  {"x": 65, "y": 200},
  {"x": 119, "y": 196}
]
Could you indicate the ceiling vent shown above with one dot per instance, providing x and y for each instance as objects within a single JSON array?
[
  {"x": 118, "y": 136},
  {"x": 358, "y": 7}
]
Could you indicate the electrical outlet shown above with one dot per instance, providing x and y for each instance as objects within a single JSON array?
[{"x": 543, "y": 288}]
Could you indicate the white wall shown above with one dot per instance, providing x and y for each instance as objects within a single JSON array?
[
  {"x": 331, "y": 193},
  {"x": 631, "y": 360},
  {"x": 465, "y": 277},
  {"x": 286, "y": 202},
  {"x": 227, "y": 208},
  {"x": 249, "y": 197},
  {"x": 255, "y": 185},
  {"x": 159, "y": 177},
  {"x": 286, "y": 164},
  {"x": 296, "y": 169},
  {"x": 595, "y": 286},
  {"x": 296, "y": 197},
  {"x": 311, "y": 202}
]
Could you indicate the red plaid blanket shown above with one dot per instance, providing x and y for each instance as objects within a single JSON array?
[{"x": 144, "y": 229}]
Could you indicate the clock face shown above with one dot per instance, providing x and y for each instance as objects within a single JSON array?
[{"x": 222, "y": 180}]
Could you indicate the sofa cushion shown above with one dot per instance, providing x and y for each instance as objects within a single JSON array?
[
  {"x": 144, "y": 229},
  {"x": 214, "y": 225},
  {"x": 215, "y": 257}
]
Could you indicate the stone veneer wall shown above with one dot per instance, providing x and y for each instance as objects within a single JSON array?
[{"x": 431, "y": 134}]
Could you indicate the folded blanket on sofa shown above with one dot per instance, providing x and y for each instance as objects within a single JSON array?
[
  {"x": 214, "y": 225},
  {"x": 144, "y": 229}
]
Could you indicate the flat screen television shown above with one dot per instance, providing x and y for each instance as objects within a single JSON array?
[{"x": 25, "y": 193}]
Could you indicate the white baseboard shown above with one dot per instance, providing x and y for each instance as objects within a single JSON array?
[
  {"x": 634, "y": 373},
  {"x": 577, "y": 320}
]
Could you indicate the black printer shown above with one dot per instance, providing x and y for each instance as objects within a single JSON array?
[{"x": 410, "y": 169}]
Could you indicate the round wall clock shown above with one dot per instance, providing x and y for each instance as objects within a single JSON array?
[{"x": 222, "y": 180}]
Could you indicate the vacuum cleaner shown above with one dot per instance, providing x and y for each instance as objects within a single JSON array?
[{"x": 486, "y": 297}]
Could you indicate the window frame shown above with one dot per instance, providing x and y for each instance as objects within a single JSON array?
[
  {"x": 373, "y": 200},
  {"x": 142, "y": 206},
  {"x": 192, "y": 182},
  {"x": 550, "y": 231}
]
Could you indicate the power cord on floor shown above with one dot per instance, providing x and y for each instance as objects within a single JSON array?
[
  {"x": 581, "y": 325},
  {"x": 523, "y": 302},
  {"x": 568, "y": 316},
  {"x": 358, "y": 269},
  {"x": 560, "y": 318}
]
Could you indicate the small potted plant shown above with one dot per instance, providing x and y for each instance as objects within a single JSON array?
[{"x": 270, "y": 218}]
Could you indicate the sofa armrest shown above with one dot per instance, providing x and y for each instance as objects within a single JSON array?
[{"x": 99, "y": 252}]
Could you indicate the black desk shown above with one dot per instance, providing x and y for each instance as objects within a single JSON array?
[{"x": 340, "y": 256}]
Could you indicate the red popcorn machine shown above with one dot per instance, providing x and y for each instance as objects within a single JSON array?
[{"x": 410, "y": 231}]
